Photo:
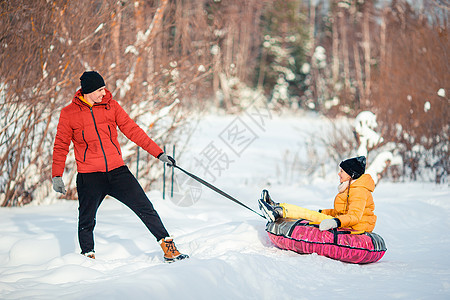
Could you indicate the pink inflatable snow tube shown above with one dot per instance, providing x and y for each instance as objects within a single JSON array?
[{"x": 339, "y": 244}]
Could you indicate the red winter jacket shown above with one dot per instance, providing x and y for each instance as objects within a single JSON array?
[{"x": 93, "y": 131}]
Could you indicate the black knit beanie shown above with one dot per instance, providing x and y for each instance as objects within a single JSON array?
[
  {"x": 354, "y": 167},
  {"x": 91, "y": 81}
]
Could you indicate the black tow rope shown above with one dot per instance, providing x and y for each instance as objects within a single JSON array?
[{"x": 217, "y": 190}]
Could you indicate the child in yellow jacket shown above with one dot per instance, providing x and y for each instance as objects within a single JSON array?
[{"x": 353, "y": 205}]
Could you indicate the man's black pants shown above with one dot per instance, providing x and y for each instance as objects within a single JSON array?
[{"x": 121, "y": 184}]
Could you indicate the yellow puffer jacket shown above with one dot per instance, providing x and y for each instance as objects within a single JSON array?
[{"x": 357, "y": 211}]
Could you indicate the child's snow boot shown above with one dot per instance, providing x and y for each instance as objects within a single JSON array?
[
  {"x": 266, "y": 197},
  {"x": 270, "y": 212},
  {"x": 171, "y": 253}
]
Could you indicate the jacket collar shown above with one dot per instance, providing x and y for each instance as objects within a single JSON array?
[{"x": 77, "y": 99}]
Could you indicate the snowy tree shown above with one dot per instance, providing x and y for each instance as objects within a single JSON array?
[
  {"x": 282, "y": 52},
  {"x": 365, "y": 126}
]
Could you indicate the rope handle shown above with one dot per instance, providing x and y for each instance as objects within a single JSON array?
[{"x": 216, "y": 189}]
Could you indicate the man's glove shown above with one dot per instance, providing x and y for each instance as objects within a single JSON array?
[
  {"x": 329, "y": 224},
  {"x": 167, "y": 159},
  {"x": 58, "y": 185}
]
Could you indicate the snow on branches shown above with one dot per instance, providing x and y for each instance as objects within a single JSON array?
[{"x": 365, "y": 125}]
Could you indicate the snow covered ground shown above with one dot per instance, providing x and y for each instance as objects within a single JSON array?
[{"x": 231, "y": 254}]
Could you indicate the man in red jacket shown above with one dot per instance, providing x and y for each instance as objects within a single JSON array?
[{"x": 90, "y": 122}]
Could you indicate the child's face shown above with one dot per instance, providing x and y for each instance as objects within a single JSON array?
[{"x": 343, "y": 176}]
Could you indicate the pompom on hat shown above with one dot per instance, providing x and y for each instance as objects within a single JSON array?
[
  {"x": 354, "y": 167},
  {"x": 91, "y": 81}
]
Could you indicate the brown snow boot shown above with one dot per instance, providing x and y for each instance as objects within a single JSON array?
[{"x": 171, "y": 253}]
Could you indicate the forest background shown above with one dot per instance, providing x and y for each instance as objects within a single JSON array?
[{"x": 336, "y": 58}]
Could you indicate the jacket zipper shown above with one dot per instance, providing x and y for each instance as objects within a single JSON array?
[
  {"x": 112, "y": 142},
  {"x": 100, "y": 140},
  {"x": 87, "y": 146}
]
